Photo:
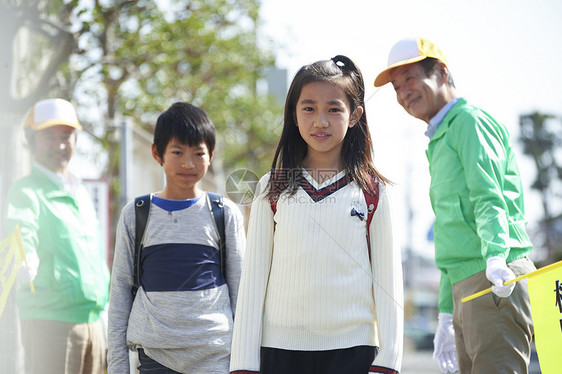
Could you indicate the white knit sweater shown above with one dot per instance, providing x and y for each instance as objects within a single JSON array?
[{"x": 307, "y": 283}]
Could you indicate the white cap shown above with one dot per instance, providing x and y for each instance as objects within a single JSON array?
[
  {"x": 52, "y": 112},
  {"x": 408, "y": 51}
]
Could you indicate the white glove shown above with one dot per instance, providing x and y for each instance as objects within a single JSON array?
[
  {"x": 28, "y": 274},
  {"x": 445, "y": 350},
  {"x": 497, "y": 272}
]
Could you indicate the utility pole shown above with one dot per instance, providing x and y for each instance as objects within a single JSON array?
[{"x": 124, "y": 162}]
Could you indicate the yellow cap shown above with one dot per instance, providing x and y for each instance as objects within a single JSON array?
[
  {"x": 51, "y": 112},
  {"x": 408, "y": 51}
]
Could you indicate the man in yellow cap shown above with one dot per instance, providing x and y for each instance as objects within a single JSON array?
[
  {"x": 62, "y": 329},
  {"x": 479, "y": 233}
]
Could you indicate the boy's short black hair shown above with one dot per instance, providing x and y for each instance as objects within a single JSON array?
[{"x": 187, "y": 123}]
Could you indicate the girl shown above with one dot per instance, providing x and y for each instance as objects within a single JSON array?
[{"x": 315, "y": 295}]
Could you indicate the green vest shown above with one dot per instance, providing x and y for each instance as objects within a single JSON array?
[
  {"x": 72, "y": 283},
  {"x": 476, "y": 194}
]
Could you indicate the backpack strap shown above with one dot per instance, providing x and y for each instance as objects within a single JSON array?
[
  {"x": 372, "y": 203},
  {"x": 142, "y": 210},
  {"x": 273, "y": 200},
  {"x": 216, "y": 206}
]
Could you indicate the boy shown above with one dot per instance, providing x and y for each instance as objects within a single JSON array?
[{"x": 181, "y": 317}]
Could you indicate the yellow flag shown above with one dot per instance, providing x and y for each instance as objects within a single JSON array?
[
  {"x": 545, "y": 293},
  {"x": 10, "y": 261}
]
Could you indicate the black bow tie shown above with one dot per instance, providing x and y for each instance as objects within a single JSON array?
[{"x": 354, "y": 212}]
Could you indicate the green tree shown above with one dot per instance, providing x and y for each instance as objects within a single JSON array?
[
  {"x": 118, "y": 58},
  {"x": 36, "y": 44},
  {"x": 541, "y": 136}
]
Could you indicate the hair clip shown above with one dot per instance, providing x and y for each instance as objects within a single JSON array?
[
  {"x": 342, "y": 62},
  {"x": 338, "y": 61}
]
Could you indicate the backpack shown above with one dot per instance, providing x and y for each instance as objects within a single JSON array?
[
  {"x": 372, "y": 203},
  {"x": 142, "y": 210}
]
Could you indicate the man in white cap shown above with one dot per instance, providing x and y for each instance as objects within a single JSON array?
[
  {"x": 477, "y": 197},
  {"x": 62, "y": 329}
]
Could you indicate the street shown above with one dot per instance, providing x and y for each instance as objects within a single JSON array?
[{"x": 419, "y": 362}]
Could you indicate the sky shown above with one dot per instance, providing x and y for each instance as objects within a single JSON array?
[{"x": 505, "y": 56}]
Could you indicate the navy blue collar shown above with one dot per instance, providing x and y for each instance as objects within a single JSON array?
[{"x": 173, "y": 205}]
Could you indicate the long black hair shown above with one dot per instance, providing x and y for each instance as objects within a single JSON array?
[{"x": 357, "y": 147}]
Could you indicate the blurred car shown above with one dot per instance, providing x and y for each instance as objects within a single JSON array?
[{"x": 419, "y": 332}]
